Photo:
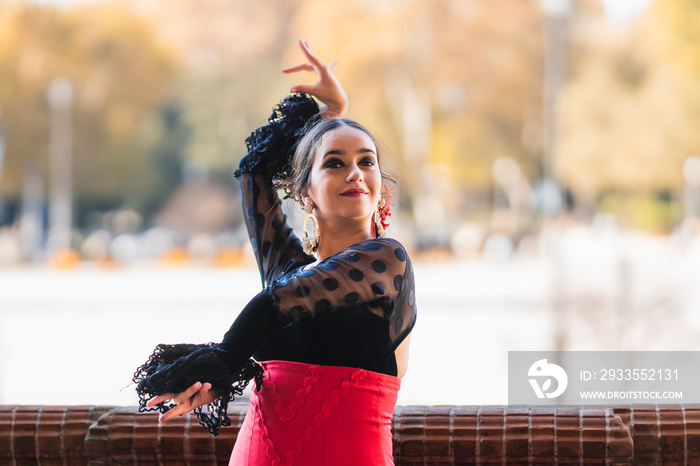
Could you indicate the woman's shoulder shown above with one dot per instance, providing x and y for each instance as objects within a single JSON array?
[
  {"x": 378, "y": 255},
  {"x": 376, "y": 249},
  {"x": 380, "y": 243}
]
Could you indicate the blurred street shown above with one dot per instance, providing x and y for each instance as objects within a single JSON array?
[{"x": 75, "y": 337}]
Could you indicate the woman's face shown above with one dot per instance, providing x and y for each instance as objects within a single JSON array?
[{"x": 345, "y": 181}]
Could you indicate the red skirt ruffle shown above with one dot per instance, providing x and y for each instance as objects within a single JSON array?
[{"x": 307, "y": 414}]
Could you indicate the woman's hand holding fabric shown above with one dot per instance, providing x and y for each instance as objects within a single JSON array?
[
  {"x": 327, "y": 89},
  {"x": 198, "y": 394}
]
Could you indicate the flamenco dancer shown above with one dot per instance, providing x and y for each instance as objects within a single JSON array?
[{"x": 329, "y": 333}]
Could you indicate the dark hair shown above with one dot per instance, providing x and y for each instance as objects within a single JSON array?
[{"x": 303, "y": 159}]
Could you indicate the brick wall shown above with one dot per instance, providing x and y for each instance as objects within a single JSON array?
[{"x": 435, "y": 435}]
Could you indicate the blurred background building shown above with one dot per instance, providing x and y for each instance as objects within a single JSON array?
[{"x": 547, "y": 151}]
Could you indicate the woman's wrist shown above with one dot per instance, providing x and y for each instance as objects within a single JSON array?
[{"x": 332, "y": 111}]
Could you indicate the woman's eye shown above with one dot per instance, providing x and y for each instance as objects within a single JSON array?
[
  {"x": 333, "y": 163},
  {"x": 369, "y": 161}
]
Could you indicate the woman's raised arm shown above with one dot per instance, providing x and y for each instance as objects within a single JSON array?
[{"x": 276, "y": 248}]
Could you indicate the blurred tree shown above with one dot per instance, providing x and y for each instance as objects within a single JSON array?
[
  {"x": 632, "y": 103},
  {"x": 678, "y": 34},
  {"x": 229, "y": 56},
  {"x": 448, "y": 85},
  {"x": 119, "y": 74}
]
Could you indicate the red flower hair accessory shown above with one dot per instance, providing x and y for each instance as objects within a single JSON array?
[{"x": 380, "y": 221}]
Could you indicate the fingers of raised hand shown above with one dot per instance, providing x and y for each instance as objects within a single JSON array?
[
  {"x": 302, "y": 89},
  {"x": 302, "y": 67},
  {"x": 310, "y": 56},
  {"x": 327, "y": 89}
]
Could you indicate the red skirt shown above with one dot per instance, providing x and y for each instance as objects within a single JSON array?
[{"x": 307, "y": 414}]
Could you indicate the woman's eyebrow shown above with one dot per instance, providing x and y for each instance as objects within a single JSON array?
[{"x": 342, "y": 152}]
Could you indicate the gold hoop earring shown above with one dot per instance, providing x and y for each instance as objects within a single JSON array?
[
  {"x": 310, "y": 243},
  {"x": 380, "y": 232},
  {"x": 379, "y": 219}
]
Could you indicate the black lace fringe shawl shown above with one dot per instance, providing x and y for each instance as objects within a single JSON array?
[
  {"x": 174, "y": 368},
  {"x": 271, "y": 146}
]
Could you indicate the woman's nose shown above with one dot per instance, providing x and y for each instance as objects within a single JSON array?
[{"x": 355, "y": 174}]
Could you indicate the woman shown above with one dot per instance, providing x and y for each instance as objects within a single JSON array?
[{"x": 330, "y": 331}]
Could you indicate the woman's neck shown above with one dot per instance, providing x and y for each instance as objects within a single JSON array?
[{"x": 336, "y": 238}]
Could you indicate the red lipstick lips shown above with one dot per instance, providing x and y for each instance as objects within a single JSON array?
[{"x": 354, "y": 192}]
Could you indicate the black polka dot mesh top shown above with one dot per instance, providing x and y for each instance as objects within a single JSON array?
[{"x": 352, "y": 309}]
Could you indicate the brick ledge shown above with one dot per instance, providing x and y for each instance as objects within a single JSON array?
[{"x": 630, "y": 434}]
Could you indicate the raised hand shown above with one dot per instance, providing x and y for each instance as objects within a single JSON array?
[
  {"x": 197, "y": 395},
  {"x": 327, "y": 89}
]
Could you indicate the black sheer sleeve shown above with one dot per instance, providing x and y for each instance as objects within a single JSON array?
[
  {"x": 174, "y": 368},
  {"x": 277, "y": 249},
  {"x": 376, "y": 272}
]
